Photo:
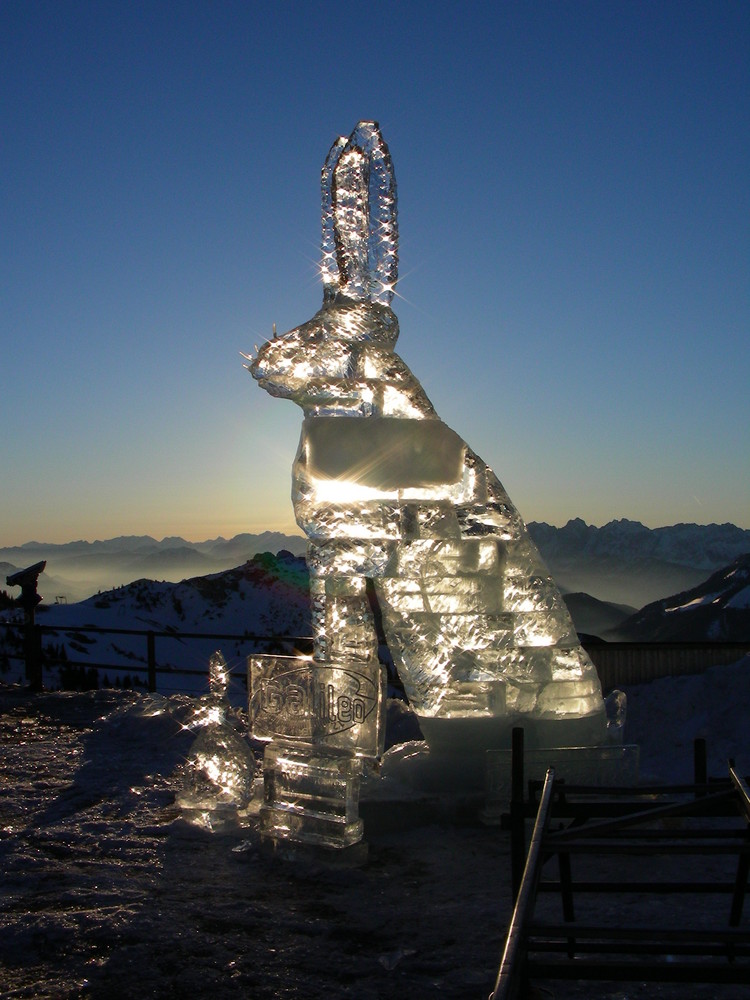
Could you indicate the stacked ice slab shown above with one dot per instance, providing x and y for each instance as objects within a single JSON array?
[
  {"x": 473, "y": 620},
  {"x": 386, "y": 491}
]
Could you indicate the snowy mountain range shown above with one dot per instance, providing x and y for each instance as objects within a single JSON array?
[
  {"x": 622, "y": 562},
  {"x": 76, "y": 570},
  {"x": 627, "y": 563}
]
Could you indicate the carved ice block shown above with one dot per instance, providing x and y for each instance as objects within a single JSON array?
[
  {"x": 338, "y": 707},
  {"x": 383, "y": 453},
  {"x": 310, "y": 798},
  {"x": 385, "y": 491}
]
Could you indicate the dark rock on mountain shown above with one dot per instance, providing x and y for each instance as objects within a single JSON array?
[
  {"x": 717, "y": 610},
  {"x": 594, "y": 617},
  {"x": 244, "y": 546}
]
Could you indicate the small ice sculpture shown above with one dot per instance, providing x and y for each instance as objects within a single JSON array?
[
  {"x": 219, "y": 772},
  {"x": 616, "y": 707},
  {"x": 384, "y": 490}
]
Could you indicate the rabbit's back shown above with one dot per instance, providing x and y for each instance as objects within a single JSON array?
[{"x": 472, "y": 618}]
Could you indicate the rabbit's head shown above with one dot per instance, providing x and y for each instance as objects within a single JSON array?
[{"x": 327, "y": 356}]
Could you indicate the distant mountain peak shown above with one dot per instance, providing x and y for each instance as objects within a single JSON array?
[{"x": 625, "y": 562}]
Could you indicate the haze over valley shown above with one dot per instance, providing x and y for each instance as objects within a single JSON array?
[{"x": 622, "y": 562}]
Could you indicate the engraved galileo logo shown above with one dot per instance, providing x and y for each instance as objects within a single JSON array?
[{"x": 312, "y": 701}]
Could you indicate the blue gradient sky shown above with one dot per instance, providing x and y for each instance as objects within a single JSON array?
[{"x": 573, "y": 194}]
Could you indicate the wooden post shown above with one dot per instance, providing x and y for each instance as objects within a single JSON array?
[
  {"x": 27, "y": 580},
  {"x": 33, "y": 652}
]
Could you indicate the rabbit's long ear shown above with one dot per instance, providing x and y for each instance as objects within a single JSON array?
[
  {"x": 329, "y": 265},
  {"x": 363, "y": 206}
]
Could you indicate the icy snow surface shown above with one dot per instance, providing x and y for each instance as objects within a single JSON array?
[
  {"x": 740, "y": 599},
  {"x": 108, "y": 891}
]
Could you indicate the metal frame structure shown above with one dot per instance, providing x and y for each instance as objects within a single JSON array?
[{"x": 710, "y": 820}]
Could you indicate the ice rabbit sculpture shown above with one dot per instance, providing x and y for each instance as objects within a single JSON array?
[{"x": 385, "y": 491}]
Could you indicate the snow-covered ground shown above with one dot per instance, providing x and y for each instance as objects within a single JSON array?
[
  {"x": 109, "y": 892},
  {"x": 667, "y": 715}
]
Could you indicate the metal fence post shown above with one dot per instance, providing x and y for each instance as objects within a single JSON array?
[
  {"x": 517, "y": 810},
  {"x": 151, "y": 656},
  {"x": 700, "y": 764}
]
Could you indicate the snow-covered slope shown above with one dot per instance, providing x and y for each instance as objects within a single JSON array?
[
  {"x": 109, "y": 894},
  {"x": 268, "y": 595},
  {"x": 717, "y": 610}
]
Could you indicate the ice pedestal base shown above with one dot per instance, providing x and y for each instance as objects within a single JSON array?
[
  {"x": 459, "y": 746},
  {"x": 416, "y": 787},
  {"x": 321, "y": 719},
  {"x": 310, "y": 799}
]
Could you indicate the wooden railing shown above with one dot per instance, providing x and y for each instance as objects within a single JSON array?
[{"x": 621, "y": 664}]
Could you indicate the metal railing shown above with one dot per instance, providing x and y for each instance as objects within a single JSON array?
[
  {"x": 510, "y": 973},
  {"x": 628, "y": 825},
  {"x": 35, "y": 655}
]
